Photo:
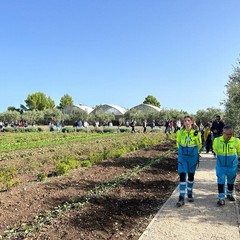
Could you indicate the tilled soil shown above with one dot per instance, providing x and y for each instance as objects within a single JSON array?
[{"x": 121, "y": 213}]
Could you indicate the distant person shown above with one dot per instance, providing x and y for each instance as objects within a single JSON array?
[
  {"x": 152, "y": 125},
  {"x": 133, "y": 124},
  {"x": 217, "y": 127},
  {"x": 51, "y": 126},
  {"x": 171, "y": 126},
  {"x": 178, "y": 125},
  {"x": 167, "y": 127},
  {"x": 207, "y": 135},
  {"x": 79, "y": 124},
  {"x": 144, "y": 126},
  {"x": 85, "y": 124},
  {"x": 227, "y": 149},
  {"x": 189, "y": 143},
  {"x": 58, "y": 126}
]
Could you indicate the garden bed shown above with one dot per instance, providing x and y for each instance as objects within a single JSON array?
[{"x": 114, "y": 199}]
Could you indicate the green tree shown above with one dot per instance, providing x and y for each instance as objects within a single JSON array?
[
  {"x": 65, "y": 101},
  {"x": 33, "y": 116},
  {"x": 152, "y": 101},
  {"x": 172, "y": 114},
  {"x": 78, "y": 114},
  {"x": 54, "y": 115},
  {"x": 204, "y": 116},
  {"x": 11, "y": 108},
  {"x": 39, "y": 101},
  {"x": 102, "y": 117},
  {"x": 50, "y": 103},
  {"x": 232, "y": 101},
  {"x": 11, "y": 116}
]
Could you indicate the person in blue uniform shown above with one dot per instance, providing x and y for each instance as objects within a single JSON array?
[
  {"x": 227, "y": 149},
  {"x": 189, "y": 144}
]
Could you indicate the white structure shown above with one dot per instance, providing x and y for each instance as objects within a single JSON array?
[
  {"x": 143, "y": 106},
  {"x": 82, "y": 107},
  {"x": 116, "y": 110}
]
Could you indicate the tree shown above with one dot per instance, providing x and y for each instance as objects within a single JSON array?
[
  {"x": 77, "y": 114},
  {"x": 65, "y": 101},
  {"x": 11, "y": 108},
  {"x": 172, "y": 114},
  {"x": 11, "y": 116},
  {"x": 54, "y": 115},
  {"x": 102, "y": 117},
  {"x": 39, "y": 101},
  {"x": 204, "y": 116},
  {"x": 34, "y": 116},
  {"x": 50, "y": 103},
  {"x": 152, "y": 101},
  {"x": 232, "y": 102}
]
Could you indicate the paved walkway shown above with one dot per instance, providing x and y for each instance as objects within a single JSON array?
[{"x": 202, "y": 219}]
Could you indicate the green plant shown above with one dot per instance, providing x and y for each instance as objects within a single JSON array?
[
  {"x": 62, "y": 168},
  {"x": 86, "y": 163},
  {"x": 42, "y": 176},
  {"x": 95, "y": 157},
  {"x": 7, "y": 177}
]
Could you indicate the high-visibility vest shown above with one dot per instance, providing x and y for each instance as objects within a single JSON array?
[
  {"x": 190, "y": 138},
  {"x": 230, "y": 148}
]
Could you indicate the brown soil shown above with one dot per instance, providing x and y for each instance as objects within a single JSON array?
[{"x": 122, "y": 213}]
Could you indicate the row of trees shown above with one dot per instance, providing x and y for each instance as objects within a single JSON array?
[
  {"x": 40, "y": 109},
  {"x": 56, "y": 115},
  {"x": 39, "y": 101},
  {"x": 232, "y": 102}
]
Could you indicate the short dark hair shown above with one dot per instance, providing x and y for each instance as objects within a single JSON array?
[{"x": 227, "y": 127}]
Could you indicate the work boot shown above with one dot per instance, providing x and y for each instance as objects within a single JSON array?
[
  {"x": 190, "y": 198},
  {"x": 180, "y": 202},
  {"x": 230, "y": 197},
  {"x": 221, "y": 202}
]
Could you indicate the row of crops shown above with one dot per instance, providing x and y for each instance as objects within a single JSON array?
[
  {"x": 43, "y": 154},
  {"x": 40, "y": 156}
]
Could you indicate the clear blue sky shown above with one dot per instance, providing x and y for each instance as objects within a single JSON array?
[{"x": 119, "y": 51}]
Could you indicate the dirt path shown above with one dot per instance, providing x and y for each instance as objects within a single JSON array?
[{"x": 202, "y": 219}]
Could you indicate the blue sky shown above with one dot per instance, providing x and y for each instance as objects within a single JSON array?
[{"x": 119, "y": 51}]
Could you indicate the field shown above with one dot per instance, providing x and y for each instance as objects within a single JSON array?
[{"x": 83, "y": 186}]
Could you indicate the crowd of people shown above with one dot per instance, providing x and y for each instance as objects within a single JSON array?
[
  {"x": 15, "y": 124},
  {"x": 217, "y": 138},
  {"x": 191, "y": 140}
]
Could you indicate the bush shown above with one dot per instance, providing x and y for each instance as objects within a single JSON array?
[
  {"x": 65, "y": 165},
  {"x": 8, "y": 129},
  {"x": 40, "y": 129},
  {"x": 7, "y": 177},
  {"x": 41, "y": 177},
  {"x": 86, "y": 163},
  {"x": 125, "y": 129},
  {"x": 109, "y": 130},
  {"x": 82, "y": 129},
  {"x": 62, "y": 168},
  {"x": 67, "y": 129}
]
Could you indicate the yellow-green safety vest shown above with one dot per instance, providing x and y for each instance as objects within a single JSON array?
[{"x": 190, "y": 138}]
